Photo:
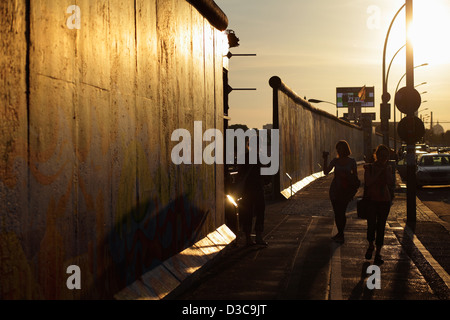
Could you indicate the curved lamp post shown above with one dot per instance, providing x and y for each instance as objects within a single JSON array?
[
  {"x": 384, "y": 107},
  {"x": 390, "y": 64},
  {"x": 422, "y": 109}
]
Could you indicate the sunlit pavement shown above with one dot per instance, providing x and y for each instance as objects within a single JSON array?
[{"x": 302, "y": 262}]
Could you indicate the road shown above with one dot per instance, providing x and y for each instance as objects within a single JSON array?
[{"x": 437, "y": 198}]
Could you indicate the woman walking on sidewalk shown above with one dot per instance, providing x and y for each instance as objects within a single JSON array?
[
  {"x": 344, "y": 185},
  {"x": 379, "y": 183}
]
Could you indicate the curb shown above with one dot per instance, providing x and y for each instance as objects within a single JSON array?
[
  {"x": 426, "y": 254},
  {"x": 179, "y": 271}
]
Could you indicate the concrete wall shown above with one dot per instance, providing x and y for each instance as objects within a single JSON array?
[
  {"x": 305, "y": 132},
  {"x": 86, "y": 117},
  {"x": 377, "y": 139}
]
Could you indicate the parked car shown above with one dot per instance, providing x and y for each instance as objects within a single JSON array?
[
  {"x": 401, "y": 164},
  {"x": 433, "y": 169}
]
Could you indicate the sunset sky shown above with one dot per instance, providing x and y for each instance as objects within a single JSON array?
[{"x": 316, "y": 46}]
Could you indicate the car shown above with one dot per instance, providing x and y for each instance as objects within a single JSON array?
[
  {"x": 401, "y": 164},
  {"x": 420, "y": 148},
  {"x": 433, "y": 169}
]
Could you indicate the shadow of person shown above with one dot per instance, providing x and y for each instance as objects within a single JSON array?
[
  {"x": 141, "y": 240},
  {"x": 361, "y": 291},
  {"x": 305, "y": 280}
]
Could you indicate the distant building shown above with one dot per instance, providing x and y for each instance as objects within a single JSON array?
[{"x": 437, "y": 129}]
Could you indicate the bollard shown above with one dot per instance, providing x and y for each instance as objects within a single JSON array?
[
  {"x": 290, "y": 181},
  {"x": 236, "y": 212}
]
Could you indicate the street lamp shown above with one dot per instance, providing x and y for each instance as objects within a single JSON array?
[
  {"x": 322, "y": 101},
  {"x": 390, "y": 64},
  {"x": 422, "y": 109},
  {"x": 403, "y": 76},
  {"x": 420, "y": 84},
  {"x": 384, "y": 107}
]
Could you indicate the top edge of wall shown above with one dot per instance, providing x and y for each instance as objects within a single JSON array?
[
  {"x": 276, "y": 83},
  {"x": 212, "y": 12}
]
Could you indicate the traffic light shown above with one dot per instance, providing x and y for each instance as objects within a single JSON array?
[
  {"x": 408, "y": 100},
  {"x": 410, "y": 129}
]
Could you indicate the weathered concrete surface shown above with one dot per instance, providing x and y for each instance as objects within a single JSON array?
[
  {"x": 305, "y": 132},
  {"x": 86, "y": 176}
]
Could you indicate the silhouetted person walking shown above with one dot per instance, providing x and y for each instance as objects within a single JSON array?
[
  {"x": 253, "y": 202},
  {"x": 379, "y": 183},
  {"x": 342, "y": 187}
]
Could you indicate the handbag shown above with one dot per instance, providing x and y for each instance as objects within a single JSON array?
[{"x": 353, "y": 186}]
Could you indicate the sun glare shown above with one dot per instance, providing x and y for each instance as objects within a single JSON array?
[{"x": 430, "y": 31}]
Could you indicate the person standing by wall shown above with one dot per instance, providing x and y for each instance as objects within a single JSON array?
[
  {"x": 379, "y": 183},
  {"x": 253, "y": 201},
  {"x": 342, "y": 188}
]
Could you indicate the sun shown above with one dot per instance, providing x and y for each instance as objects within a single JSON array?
[{"x": 430, "y": 31}]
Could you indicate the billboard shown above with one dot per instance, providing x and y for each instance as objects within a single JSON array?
[{"x": 352, "y": 97}]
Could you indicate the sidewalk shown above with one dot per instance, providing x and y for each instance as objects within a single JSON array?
[{"x": 302, "y": 262}]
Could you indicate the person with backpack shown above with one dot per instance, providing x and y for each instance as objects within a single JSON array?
[
  {"x": 344, "y": 185},
  {"x": 380, "y": 184}
]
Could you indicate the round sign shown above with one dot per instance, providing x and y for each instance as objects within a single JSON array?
[
  {"x": 411, "y": 129},
  {"x": 408, "y": 100}
]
